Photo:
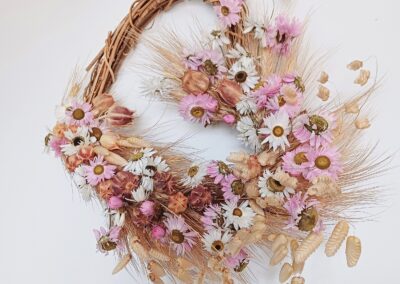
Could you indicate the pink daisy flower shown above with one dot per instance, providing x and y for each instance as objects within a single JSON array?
[
  {"x": 55, "y": 144},
  {"x": 232, "y": 188},
  {"x": 323, "y": 162},
  {"x": 79, "y": 114},
  {"x": 108, "y": 240},
  {"x": 228, "y": 12},
  {"x": 294, "y": 162},
  {"x": 280, "y": 36},
  {"x": 270, "y": 89},
  {"x": 198, "y": 108},
  {"x": 218, "y": 170},
  {"x": 211, "y": 217},
  {"x": 98, "y": 171},
  {"x": 315, "y": 129},
  {"x": 237, "y": 262},
  {"x": 295, "y": 205},
  {"x": 213, "y": 64},
  {"x": 191, "y": 60},
  {"x": 182, "y": 239}
]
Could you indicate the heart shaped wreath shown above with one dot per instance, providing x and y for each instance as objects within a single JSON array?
[{"x": 197, "y": 222}]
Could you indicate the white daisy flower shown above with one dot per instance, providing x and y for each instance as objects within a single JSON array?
[
  {"x": 147, "y": 183},
  {"x": 237, "y": 52},
  {"x": 256, "y": 26},
  {"x": 244, "y": 72},
  {"x": 85, "y": 189},
  {"x": 77, "y": 140},
  {"x": 215, "y": 240},
  {"x": 138, "y": 160},
  {"x": 194, "y": 175},
  {"x": 246, "y": 105},
  {"x": 217, "y": 39},
  {"x": 155, "y": 164},
  {"x": 240, "y": 216},
  {"x": 158, "y": 86},
  {"x": 248, "y": 133},
  {"x": 277, "y": 129},
  {"x": 140, "y": 194},
  {"x": 115, "y": 217},
  {"x": 271, "y": 187}
]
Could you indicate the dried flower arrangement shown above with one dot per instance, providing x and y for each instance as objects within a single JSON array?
[{"x": 302, "y": 170}]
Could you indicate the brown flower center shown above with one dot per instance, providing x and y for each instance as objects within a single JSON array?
[
  {"x": 197, "y": 112},
  {"x": 106, "y": 244},
  {"x": 280, "y": 38},
  {"x": 242, "y": 266},
  {"x": 241, "y": 77},
  {"x": 98, "y": 170},
  {"x": 78, "y": 140},
  {"x": 300, "y": 158},
  {"x": 299, "y": 84},
  {"x": 322, "y": 162},
  {"x": 281, "y": 101},
  {"x": 274, "y": 185},
  {"x": 177, "y": 236},
  {"x": 278, "y": 131},
  {"x": 237, "y": 187},
  {"x": 223, "y": 168},
  {"x": 217, "y": 246},
  {"x": 237, "y": 212},
  {"x": 308, "y": 220},
  {"x": 317, "y": 124},
  {"x": 193, "y": 171},
  {"x": 137, "y": 156},
  {"x": 47, "y": 139},
  {"x": 96, "y": 132},
  {"x": 225, "y": 10},
  {"x": 78, "y": 114},
  {"x": 210, "y": 67}
]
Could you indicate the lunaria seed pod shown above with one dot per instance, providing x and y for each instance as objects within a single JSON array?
[
  {"x": 298, "y": 280},
  {"x": 285, "y": 273},
  {"x": 229, "y": 92},
  {"x": 337, "y": 237},
  {"x": 353, "y": 251},
  {"x": 308, "y": 246},
  {"x": 195, "y": 82}
]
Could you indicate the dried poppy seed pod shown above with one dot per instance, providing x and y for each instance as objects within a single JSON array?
[
  {"x": 195, "y": 82},
  {"x": 102, "y": 103},
  {"x": 230, "y": 92},
  {"x": 355, "y": 65},
  {"x": 119, "y": 116}
]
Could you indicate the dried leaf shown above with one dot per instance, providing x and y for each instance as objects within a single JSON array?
[
  {"x": 285, "y": 273},
  {"x": 337, "y": 237},
  {"x": 353, "y": 250},
  {"x": 308, "y": 246},
  {"x": 122, "y": 263}
]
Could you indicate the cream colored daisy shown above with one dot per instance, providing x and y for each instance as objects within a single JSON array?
[
  {"x": 246, "y": 105},
  {"x": 244, "y": 73},
  {"x": 155, "y": 164},
  {"x": 194, "y": 175},
  {"x": 215, "y": 241},
  {"x": 77, "y": 140},
  {"x": 85, "y": 189},
  {"x": 271, "y": 186},
  {"x": 138, "y": 160},
  {"x": 248, "y": 133},
  {"x": 276, "y": 130},
  {"x": 239, "y": 216}
]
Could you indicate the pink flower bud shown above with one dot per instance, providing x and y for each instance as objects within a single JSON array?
[
  {"x": 195, "y": 82},
  {"x": 147, "y": 208},
  {"x": 158, "y": 232},
  {"x": 119, "y": 116},
  {"x": 229, "y": 118},
  {"x": 115, "y": 202}
]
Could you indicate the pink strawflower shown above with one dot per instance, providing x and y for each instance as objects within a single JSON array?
[
  {"x": 295, "y": 205},
  {"x": 270, "y": 89},
  {"x": 181, "y": 237},
  {"x": 147, "y": 208},
  {"x": 213, "y": 64},
  {"x": 229, "y": 118},
  {"x": 218, "y": 170},
  {"x": 98, "y": 171},
  {"x": 115, "y": 202},
  {"x": 315, "y": 129},
  {"x": 281, "y": 102},
  {"x": 294, "y": 162},
  {"x": 200, "y": 108},
  {"x": 211, "y": 217},
  {"x": 79, "y": 114},
  {"x": 323, "y": 162},
  {"x": 108, "y": 240},
  {"x": 280, "y": 36},
  {"x": 158, "y": 232},
  {"x": 228, "y": 12},
  {"x": 234, "y": 262},
  {"x": 55, "y": 144},
  {"x": 229, "y": 185}
]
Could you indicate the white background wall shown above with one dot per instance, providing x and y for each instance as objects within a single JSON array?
[{"x": 45, "y": 229}]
